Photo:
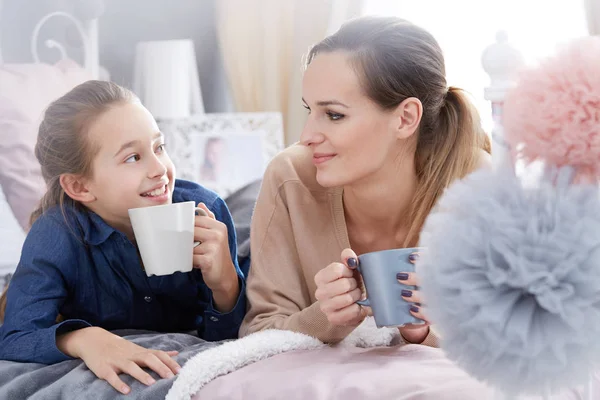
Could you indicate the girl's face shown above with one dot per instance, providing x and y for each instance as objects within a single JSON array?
[{"x": 131, "y": 168}]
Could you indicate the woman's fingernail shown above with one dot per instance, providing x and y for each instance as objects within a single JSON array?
[
  {"x": 414, "y": 308},
  {"x": 177, "y": 370},
  {"x": 402, "y": 276},
  {"x": 151, "y": 381},
  {"x": 406, "y": 293},
  {"x": 170, "y": 375},
  {"x": 352, "y": 262},
  {"x": 413, "y": 257},
  {"x": 124, "y": 389}
]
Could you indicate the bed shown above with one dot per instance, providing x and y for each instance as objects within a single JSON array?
[{"x": 370, "y": 363}]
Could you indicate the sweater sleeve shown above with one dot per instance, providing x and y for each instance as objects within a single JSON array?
[{"x": 277, "y": 291}]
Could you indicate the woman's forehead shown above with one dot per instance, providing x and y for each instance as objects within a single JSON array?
[{"x": 329, "y": 76}]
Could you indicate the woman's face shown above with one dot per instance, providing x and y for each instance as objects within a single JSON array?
[{"x": 350, "y": 136}]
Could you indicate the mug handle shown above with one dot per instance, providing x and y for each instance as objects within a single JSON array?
[
  {"x": 366, "y": 301},
  {"x": 201, "y": 213}
]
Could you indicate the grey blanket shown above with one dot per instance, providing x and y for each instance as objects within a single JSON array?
[{"x": 72, "y": 380}]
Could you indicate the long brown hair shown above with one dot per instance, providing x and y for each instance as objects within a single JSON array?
[
  {"x": 395, "y": 60},
  {"x": 62, "y": 145}
]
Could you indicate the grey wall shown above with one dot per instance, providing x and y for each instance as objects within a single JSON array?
[{"x": 123, "y": 24}]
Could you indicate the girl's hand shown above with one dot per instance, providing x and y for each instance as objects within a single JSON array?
[
  {"x": 108, "y": 355},
  {"x": 413, "y": 333},
  {"x": 339, "y": 287},
  {"x": 213, "y": 258}
]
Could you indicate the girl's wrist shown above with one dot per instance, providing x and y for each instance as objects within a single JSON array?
[
  {"x": 71, "y": 343},
  {"x": 225, "y": 295}
]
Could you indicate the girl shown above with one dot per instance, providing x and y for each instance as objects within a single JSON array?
[
  {"x": 385, "y": 135},
  {"x": 101, "y": 154}
]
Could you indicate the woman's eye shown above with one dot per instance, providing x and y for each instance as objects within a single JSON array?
[
  {"x": 307, "y": 108},
  {"x": 334, "y": 116},
  {"x": 133, "y": 158},
  {"x": 160, "y": 148}
]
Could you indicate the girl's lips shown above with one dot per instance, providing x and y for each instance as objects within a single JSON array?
[{"x": 160, "y": 199}]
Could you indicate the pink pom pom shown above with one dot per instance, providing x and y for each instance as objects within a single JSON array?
[{"x": 554, "y": 110}]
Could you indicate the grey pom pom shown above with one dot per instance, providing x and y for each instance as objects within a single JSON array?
[{"x": 511, "y": 278}]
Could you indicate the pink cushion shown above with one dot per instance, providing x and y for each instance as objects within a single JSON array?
[{"x": 25, "y": 92}]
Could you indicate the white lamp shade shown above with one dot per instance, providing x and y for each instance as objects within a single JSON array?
[{"x": 166, "y": 78}]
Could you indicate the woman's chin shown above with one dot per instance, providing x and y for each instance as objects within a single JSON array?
[{"x": 329, "y": 180}]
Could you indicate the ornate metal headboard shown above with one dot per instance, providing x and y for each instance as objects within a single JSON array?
[{"x": 88, "y": 30}]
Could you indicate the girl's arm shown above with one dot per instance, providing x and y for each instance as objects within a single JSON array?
[
  {"x": 36, "y": 294},
  {"x": 226, "y": 306}
]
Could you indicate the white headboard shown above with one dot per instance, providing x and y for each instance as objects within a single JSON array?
[{"x": 88, "y": 30}]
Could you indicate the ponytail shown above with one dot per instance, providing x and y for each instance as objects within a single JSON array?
[{"x": 450, "y": 151}]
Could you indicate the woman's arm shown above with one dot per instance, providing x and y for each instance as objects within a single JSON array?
[{"x": 277, "y": 290}]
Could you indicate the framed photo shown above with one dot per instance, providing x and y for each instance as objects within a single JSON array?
[
  {"x": 223, "y": 151},
  {"x": 225, "y": 162}
]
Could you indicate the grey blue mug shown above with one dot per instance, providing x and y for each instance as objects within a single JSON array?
[{"x": 378, "y": 270}]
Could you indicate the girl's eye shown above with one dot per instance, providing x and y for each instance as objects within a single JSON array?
[
  {"x": 132, "y": 159},
  {"x": 307, "y": 107},
  {"x": 160, "y": 148},
  {"x": 334, "y": 116}
]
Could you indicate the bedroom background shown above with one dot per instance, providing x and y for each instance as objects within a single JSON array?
[{"x": 245, "y": 75}]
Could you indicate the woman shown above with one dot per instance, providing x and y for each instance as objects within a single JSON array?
[{"x": 383, "y": 139}]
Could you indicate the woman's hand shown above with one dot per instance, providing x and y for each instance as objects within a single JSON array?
[
  {"x": 213, "y": 258},
  {"x": 339, "y": 287},
  {"x": 108, "y": 355},
  {"x": 413, "y": 333}
]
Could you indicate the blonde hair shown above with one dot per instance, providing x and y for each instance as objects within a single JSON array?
[
  {"x": 395, "y": 60},
  {"x": 62, "y": 145}
]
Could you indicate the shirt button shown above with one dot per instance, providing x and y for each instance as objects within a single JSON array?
[
  {"x": 148, "y": 299},
  {"x": 214, "y": 319}
]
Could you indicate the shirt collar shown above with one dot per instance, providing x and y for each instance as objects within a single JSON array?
[{"x": 95, "y": 230}]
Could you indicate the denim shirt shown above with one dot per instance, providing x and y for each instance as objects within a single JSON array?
[{"x": 91, "y": 275}]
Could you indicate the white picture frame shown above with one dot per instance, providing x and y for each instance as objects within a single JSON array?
[
  {"x": 227, "y": 161},
  {"x": 183, "y": 138}
]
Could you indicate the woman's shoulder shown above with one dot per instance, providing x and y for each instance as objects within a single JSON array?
[{"x": 292, "y": 165}]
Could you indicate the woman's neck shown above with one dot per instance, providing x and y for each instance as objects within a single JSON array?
[{"x": 377, "y": 209}]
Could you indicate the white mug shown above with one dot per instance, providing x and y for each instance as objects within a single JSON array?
[{"x": 165, "y": 236}]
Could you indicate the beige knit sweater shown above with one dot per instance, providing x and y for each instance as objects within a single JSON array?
[{"x": 298, "y": 228}]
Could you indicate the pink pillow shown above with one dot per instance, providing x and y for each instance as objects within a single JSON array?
[{"x": 25, "y": 92}]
